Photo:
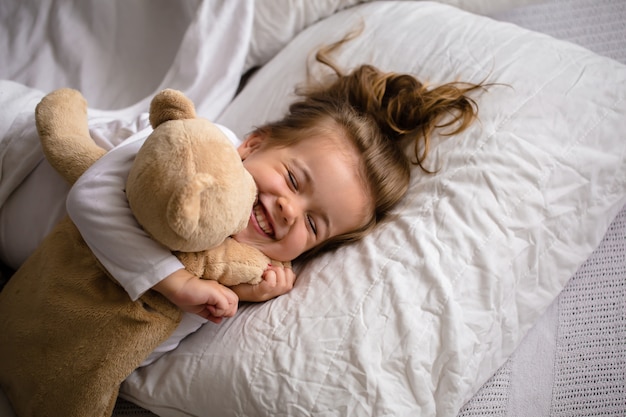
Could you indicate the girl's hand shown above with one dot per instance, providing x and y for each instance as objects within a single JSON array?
[
  {"x": 277, "y": 280},
  {"x": 206, "y": 298}
]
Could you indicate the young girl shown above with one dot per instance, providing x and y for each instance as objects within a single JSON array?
[{"x": 327, "y": 173}]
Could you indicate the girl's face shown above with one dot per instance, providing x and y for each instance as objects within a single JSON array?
[{"x": 308, "y": 192}]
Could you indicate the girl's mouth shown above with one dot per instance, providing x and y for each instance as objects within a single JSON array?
[{"x": 261, "y": 219}]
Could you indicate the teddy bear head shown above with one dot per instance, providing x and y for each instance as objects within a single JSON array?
[{"x": 187, "y": 187}]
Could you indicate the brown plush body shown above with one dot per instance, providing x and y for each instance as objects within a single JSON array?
[{"x": 69, "y": 334}]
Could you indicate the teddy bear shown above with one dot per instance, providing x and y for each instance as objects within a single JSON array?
[{"x": 69, "y": 334}]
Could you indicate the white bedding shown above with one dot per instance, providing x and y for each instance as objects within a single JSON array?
[
  {"x": 414, "y": 319},
  {"x": 572, "y": 360},
  {"x": 119, "y": 55}
]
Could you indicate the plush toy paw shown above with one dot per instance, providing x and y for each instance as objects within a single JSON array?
[
  {"x": 62, "y": 111},
  {"x": 61, "y": 119},
  {"x": 230, "y": 263}
]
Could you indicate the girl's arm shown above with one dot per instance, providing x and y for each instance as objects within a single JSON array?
[{"x": 98, "y": 206}]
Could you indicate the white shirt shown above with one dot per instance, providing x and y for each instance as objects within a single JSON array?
[{"x": 98, "y": 206}]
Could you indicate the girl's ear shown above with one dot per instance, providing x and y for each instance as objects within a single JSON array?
[{"x": 250, "y": 145}]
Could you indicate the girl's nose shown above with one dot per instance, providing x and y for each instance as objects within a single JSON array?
[{"x": 287, "y": 210}]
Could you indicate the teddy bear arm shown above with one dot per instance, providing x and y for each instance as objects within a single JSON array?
[
  {"x": 61, "y": 119},
  {"x": 229, "y": 263},
  {"x": 194, "y": 262}
]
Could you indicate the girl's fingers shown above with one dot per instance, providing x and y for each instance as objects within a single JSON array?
[{"x": 270, "y": 277}]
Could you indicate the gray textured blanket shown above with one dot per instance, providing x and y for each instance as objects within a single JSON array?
[{"x": 573, "y": 362}]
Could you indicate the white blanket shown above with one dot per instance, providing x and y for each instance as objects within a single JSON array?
[{"x": 118, "y": 57}]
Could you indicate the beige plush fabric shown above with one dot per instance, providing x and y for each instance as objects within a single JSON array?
[{"x": 61, "y": 298}]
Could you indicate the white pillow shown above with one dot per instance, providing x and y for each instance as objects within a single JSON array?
[
  {"x": 276, "y": 22},
  {"x": 416, "y": 317}
]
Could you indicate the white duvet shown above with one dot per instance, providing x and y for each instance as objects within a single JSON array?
[{"x": 412, "y": 320}]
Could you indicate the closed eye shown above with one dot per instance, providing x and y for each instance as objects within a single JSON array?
[
  {"x": 312, "y": 224},
  {"x": 292, "y": 180}
]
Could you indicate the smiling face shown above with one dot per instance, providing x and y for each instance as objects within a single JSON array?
[{"x": 308, "y": 192}]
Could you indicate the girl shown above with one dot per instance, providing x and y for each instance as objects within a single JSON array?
[{"x": 327, "y": 173}]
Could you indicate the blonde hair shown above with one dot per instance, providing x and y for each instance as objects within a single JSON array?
[{"x": 379, "y": 112}]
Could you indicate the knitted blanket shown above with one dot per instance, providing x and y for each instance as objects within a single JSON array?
[{"x": 572, "y": 363}]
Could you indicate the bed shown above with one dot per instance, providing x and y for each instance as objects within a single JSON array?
[{"x": 499, "y": 288}]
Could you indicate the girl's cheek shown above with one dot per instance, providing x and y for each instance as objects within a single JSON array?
[{"x": 300, "y": 242}]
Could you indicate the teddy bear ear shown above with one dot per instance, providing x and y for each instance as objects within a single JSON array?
[
  {"x": 170, "y": 105},
  {"x": 185, "y": 206}
]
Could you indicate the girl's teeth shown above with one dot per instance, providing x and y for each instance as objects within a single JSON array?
[{"x": 263, "y": 224}]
